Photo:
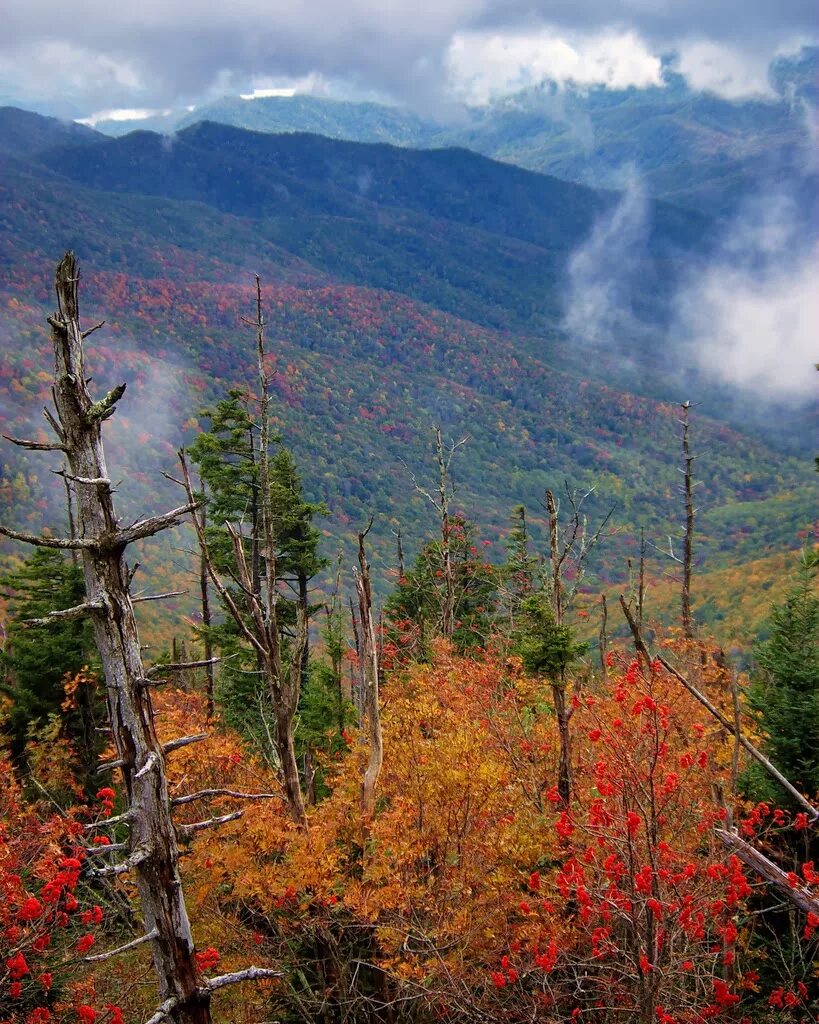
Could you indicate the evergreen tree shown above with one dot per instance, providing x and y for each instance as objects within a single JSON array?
[
  {"x": 548, "y": 649},
  {"x": 297, "y": 539},
  {"x": 420, "y": 595},
  {"x": 520, "y": 564},
  {"x": 785, "y": 691},
  {"x": 227, "y": 458},
  {"x": 36, "y": 660}
]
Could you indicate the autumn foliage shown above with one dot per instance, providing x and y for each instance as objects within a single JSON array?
[{"x": 473, "y": 894}]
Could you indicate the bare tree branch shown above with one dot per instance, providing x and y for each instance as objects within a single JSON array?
[
  {"x": 248, "y": 974},
  {"x": 35, "y": 446},
  {"x": 139, "y": 856},
  {"x": 186, "y": 831},
  {"x": 90, "y": 330},
  {"x": 813, "y": 812},
  {"x": 61, "y": 543},
  {"x": 204, "y": 794},
  {"x": 183, "y": 741},
  {"x": 153, "y": 525},
  {"x": 77, "y": 612},
  {"x": 163, "y": 1011},
  {"x": 181, "y": 666},
  {"x": 800, "y": 895},
  {"x": 99, "y": 957}
]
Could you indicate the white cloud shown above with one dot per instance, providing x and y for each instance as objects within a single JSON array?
[
  {"x": 263, "y": 94},
  {"x": 484, "y": 65},
  {"x": 123, "y": 114},
  {"x": 158, "y": 54},
  {"x": 724, "y": 70},
  {"x": 265, "y": 86},
  {"x": 751, "y": 316},
  {"x": 602, "y": 271},
  {"x": 53, "y": 69}
]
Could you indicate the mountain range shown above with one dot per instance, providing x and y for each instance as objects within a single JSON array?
[
  {"x": 692, "y": 147},
  {"x": 404, "y": 288}
]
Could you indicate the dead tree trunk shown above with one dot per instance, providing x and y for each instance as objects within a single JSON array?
[
  {"x": 152, "y": 839},
  {"x": 210, "y": 704},
  {"x": 258, "y": 622},
  {"x": 370, "y": 659},
  {"x": 152, "y": 854},
  {"x": 357, "y": 676},
  {"x": 447, "y": 623},
  {"x": 556, "y": 559},
  {"x": 688, "y": 540},
  {"x": 562, "y": 710}
]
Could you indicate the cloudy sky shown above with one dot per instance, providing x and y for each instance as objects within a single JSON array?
[{"x": 96, "y": 55}]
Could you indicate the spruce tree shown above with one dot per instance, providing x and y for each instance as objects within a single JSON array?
[
  {"x": 421, "y": 593},
  {"x": 36, "y": 660},
  {"x": 227, "y": 458},
  {"x": 520, "y": 565},
  {"x": 785, "y": 690}
]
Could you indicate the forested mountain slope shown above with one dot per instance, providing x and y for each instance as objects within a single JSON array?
[
  {"x": 403, "y": 289},
  {"x": 692, "y": 147}
]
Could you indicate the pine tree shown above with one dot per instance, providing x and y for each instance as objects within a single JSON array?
[
  {"x": 297, "y": 539},
  {"x": 422, "y": 592},
  {"x": 226, "y": 456},
  {"x": 520, "y": 564},
  {"x": 36, "y": 660},
  {"x": 785, "y": 692},
  {"x": 549, "y": 649}
]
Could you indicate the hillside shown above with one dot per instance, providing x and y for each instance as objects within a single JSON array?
[
  {"x": 429, "y": 297},
  {"x": 692, "y": 148}
]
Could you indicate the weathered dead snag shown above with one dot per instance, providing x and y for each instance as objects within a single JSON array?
[
  {"x": 369, "y": 658},
  {"x": 152, "y": 852},
  {"x": 255, "y": 612}
]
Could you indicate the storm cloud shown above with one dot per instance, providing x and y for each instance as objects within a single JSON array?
[{"x": 97, "y": 55}]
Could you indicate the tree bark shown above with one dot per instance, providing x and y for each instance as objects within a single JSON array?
[
  {"x": 447, "y": 622},
  {"x": 370, "y": 659},
  {"x": 152, "y": 838},
  {"x": 688, "y": 542},
  {"x": 206, "y": 628},
  {"x": 564, "y": 769}
]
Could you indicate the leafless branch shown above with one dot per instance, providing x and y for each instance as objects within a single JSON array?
[
  {"x": 151, "y": 762},
  {"x": 98, "y": 957},
  {"x": 61, "y": 543},
  {"x": 77, "y": 612},
  {"x": 136, "y": 858},
  {"x": 800, "y": 895},
  {"x": 198, "y": 826},
  {"x": 204, "y": 794},
  {"x": 96, "y": 481},
  {"x": 99, "y": 851},
  {"x": 813, "y": 812},
  {"x": 248, "y": 974},
  {"x": 183, "y": 741},
  {"x": 181, "y": 666},
  {"x": 91, "y": 330},
  {"x": 119, "y": 819},
  {"x": 163, "y": 1011},
  {"x": 154, "y": 524},
  {"x": 35, "y": 446}
]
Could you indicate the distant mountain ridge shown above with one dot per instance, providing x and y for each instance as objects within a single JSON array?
[{"x": 692, "y": 148}]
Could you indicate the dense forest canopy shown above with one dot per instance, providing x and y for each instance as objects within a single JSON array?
[{"x": 491, "y": 795}]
